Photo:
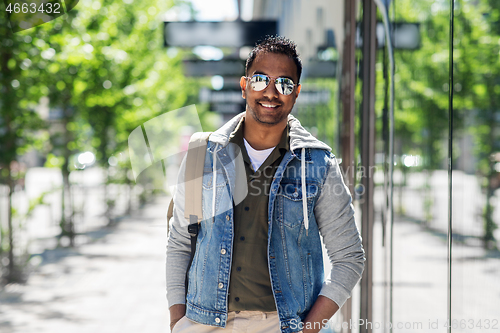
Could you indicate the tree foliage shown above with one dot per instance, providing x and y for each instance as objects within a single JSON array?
[
  {"x": 104, "y": 70},
  {"x": 423, "y": 88}
]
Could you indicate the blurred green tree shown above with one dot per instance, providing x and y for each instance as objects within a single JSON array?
[
  {"x": 105, "y": 77},
  {"x": 422, "y": 81},
  {"x": 105, "y": 72},
  {"x": 477, "y": 87},
  {"x": 421, "y": 94},
  {"x": 20, "y": 124}
]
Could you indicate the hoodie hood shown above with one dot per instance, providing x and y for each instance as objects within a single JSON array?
[{"x": 299, "y": 137}]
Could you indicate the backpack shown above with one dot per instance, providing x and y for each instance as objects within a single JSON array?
[{"x": 195, "y": 161}]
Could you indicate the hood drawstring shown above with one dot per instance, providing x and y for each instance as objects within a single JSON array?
[
  {"x": 214, "y": 171},
  {"x": 304, "y": 190}
]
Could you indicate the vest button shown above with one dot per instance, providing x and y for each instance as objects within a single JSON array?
[
  {"x": 221, "y": 285},
  {"x": 223, "y": 251},
  {"x": 227, "y": 217},
  {"x": 217, "y": 320}
]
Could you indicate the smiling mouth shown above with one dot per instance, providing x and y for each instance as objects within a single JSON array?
[{"x": 267, "y": 105}]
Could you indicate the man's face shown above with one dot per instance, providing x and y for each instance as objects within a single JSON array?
[{"x": 268, "y": 106}]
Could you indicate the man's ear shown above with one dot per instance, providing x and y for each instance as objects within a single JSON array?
[
  {"x": 298, "y": 90},
  {"x": 243, "y": 85}
]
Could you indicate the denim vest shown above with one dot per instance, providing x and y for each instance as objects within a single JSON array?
[{"x": 295, "y": 256}]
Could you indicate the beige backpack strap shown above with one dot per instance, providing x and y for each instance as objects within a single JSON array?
[
  {"x": 195, "y": 162},
  {"x": 170, "y": 211}
]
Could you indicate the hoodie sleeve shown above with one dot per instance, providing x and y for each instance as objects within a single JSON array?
[
  {"x": 334, "y": 214},
  {"x": 178, "y": 246}
]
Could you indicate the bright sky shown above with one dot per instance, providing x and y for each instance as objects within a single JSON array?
[
  {"x": 218, "y": 10},
  {"x": 215, "y": 10}
]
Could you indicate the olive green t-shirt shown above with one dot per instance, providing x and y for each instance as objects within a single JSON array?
[{"x": 250, "y": 283}]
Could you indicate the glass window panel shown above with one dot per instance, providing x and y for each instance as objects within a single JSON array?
[{"x": 476, "y": 158}]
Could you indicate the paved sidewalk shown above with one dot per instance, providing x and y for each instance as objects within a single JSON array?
[
  {"x": 420, "y": 285},
  {"x": 115, "y": 283}
]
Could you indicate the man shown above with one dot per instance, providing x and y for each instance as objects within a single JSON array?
[{"x": 258, "y": 264}]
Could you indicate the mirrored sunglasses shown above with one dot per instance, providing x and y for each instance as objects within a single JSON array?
[{"x": 259, "y": 82}]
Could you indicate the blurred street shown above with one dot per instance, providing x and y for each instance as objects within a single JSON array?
[
  {"x": 113, "y": 283},
  {"x": 116, "y": 282},
  {"x": 420, "y": 281}
]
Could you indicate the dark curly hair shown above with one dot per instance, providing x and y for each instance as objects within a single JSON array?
[{"x": 276, "y": 44}]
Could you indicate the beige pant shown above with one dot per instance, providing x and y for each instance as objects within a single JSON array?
[{"x": 237, "y": 322}]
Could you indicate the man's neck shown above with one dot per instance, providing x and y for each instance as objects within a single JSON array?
[{"x": 261, "y": 136}]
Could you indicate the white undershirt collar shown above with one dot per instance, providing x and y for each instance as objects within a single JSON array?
[{"x": 257, "y": 157}]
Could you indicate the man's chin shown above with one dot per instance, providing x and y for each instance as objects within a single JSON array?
[{"x": 269, "y": 120}]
